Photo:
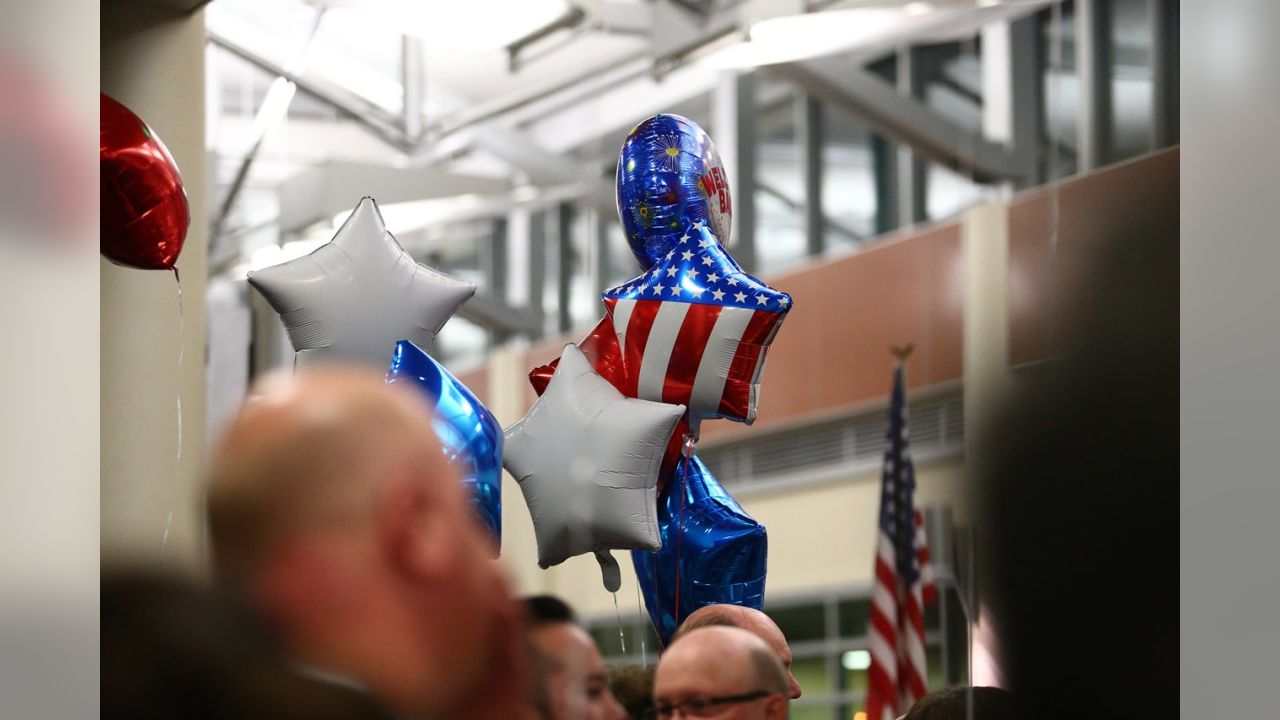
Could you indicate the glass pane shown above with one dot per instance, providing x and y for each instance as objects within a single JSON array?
[
  {"x": 800, "y": 622},
  {"x": 848, "y": 180},
  {"x": 810, "y": 712},
  {"x": 606, "y": 636},
  {"x": 811, "y": 673},
  {"x": 1131, "y": 87},
  {"x": 853, "y": 618},
  {"x": 779, "y": 192},
  {"x": 949, "y": 193},
  {"x": 1059, "y": 90}
]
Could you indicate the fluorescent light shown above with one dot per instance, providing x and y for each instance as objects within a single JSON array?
[
  {"x": 918, "y": 8},
  {"x": 475, "y": 25},
  {"x": 856, "y": 660},
  {"x": 797, "y": 37}
]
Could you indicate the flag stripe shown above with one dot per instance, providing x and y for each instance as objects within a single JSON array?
[
  {"x": 737, "y": 393},
  {"x": 689, "y": 353},
  {"x": 620, "y": 311},
  {"x": 708, "y": 385},
  {"x": 651, "y": 379},
  {"x": 639, "y": 323}
]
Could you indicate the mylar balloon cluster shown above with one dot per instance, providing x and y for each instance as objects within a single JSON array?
[
  {"x": 469, "y": 435},
  {"x": 692, "y": 330},
  {"x": 355, "y": 297},
  {"x": 145, "y": 214}
]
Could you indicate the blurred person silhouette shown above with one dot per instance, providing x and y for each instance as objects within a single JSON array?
[
  {"x": 1079, "y": 511},
  {"x": 989, "y": 703},
  {"x": 334, "y": 514},
  {"x": 570, "y": 664},
  {"x": 722, "y": 672},
  {"x": 632, "y": 685},
  {"x": 753, "y": 621},
  {"x": 172, "y": 649}
]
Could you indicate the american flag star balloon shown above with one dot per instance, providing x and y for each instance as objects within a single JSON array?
[
  {"x": 693, "y": 329},
  {"x": 669, "y": 175}
]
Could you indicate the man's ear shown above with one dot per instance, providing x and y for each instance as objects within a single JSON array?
[
  {"x": 410, "y": 529},
  {"x": 776, "y": 707}
]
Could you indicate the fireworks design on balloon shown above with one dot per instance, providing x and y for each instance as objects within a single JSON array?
[{"x": 670, "y": 157}]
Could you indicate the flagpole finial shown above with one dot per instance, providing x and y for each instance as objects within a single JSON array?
[{"x": 901, "y": 352}]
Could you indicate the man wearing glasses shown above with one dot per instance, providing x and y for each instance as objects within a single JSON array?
[{"x": 720, "y": 672}]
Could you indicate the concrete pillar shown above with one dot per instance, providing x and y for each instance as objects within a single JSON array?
[{"x": 152, "y": 412}]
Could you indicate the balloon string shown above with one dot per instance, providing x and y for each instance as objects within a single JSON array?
[
  {"x": 182, "y": 350},
  {"x": 622, "y": 639},
  {"x": 653, "y": 566},
  {"x": 684, "y": 484},
  {"x": 644, "y": 658}
]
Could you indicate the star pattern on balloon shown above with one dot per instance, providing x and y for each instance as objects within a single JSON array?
[
  {"x": 694, "y": 329},
  {"x": 587, "y": 461},
  {"x": 355, "y": 297}
]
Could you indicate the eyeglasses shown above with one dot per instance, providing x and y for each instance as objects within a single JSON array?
[{"x": 700, "y": 707}]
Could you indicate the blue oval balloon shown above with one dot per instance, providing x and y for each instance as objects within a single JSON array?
[
  {"x": 718, "y": 551},
  {"x": 470, "y": 436},
  {"x": 669, "y": 176}
]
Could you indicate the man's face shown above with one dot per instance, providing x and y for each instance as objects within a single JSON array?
[
  {"x": 575, "y": 676},
  {"x": 766, "y": 630},
  {"x": 683, "y": 677},
  {"x": 476, "y": 622}
]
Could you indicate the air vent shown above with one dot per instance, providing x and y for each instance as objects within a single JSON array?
[{"x": 936, "y": 423}]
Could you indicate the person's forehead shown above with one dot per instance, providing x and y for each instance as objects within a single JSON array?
[
  {"x": 568, "y": 642},
  {"x": 704, "y": 668}
]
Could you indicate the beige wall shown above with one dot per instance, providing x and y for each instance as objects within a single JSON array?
[{"x": 153, "y": 63}]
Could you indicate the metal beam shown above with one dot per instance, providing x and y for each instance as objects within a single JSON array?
[
  {"x": 794, "y": 205},
  {"x": 734, "y": 119},
  {"x": 381, "y": 123},
  {"x": 487, "y": 311},
  {"x": 413, "y": 79},
  {"x": 564, "y": 265},
  {"x": 911, "y": 169},
  {"x": 877, "y": 104},
  {"x": 1164, "y": 72},
  {"x": 809, "y": 139},
  {"x": 537, "y": 266},
  {"x": 1093, "y": 74}
]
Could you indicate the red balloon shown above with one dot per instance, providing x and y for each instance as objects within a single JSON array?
[
  {"x": 602, "y": 350},
  {"x": 145, "y": 213}
]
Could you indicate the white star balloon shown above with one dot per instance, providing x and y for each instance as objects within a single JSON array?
[
  {"x": 587, "y": 459},
  {"x": 355, "y": 297}
]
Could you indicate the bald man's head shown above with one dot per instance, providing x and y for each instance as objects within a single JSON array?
[
  {"x": 334, "y": 511},
  {"x": 315, "y": 451},
  {"x": 751, "y": 620},
  {"x": 730, "y": 669}
]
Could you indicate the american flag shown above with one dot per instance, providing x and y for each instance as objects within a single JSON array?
[
  {"x": 694, "y": 329},
  {"x": 903, "y": 581}
]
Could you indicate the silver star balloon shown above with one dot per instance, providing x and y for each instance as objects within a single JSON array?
[
  {"x": 587, "y": 460},
  {"x": 356, "y": 296}
]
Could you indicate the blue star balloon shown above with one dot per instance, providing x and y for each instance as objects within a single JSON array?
[
  {"x": 712, "y": 551},
  {"x": 469, "y": 434},
  {"x": 669, "y": 176}
]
